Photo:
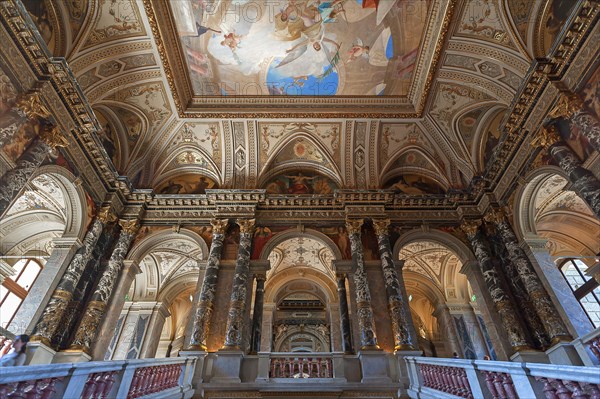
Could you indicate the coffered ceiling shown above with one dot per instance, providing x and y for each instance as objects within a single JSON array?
[{"x": 300, "y": 96}]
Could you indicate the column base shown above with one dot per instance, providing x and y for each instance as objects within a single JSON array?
[
  {"x": 39, "y": 353},
  {"x": 529, "y": 356},
  {"x": 71, "y": 356},
  {"x": 227, "y": 366},
  {"x": 564, "y": 353},
  {"x": 198, "y": 376},
  {"x": 374, "y": 365}
]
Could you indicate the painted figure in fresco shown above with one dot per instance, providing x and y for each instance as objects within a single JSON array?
[
  {"x": 402, "y": 186},
  {"x": 171, "y": 188},
  {"x": 356, "y": 51},
  {"x": 343, "y": 242},
  {"x": 203, "y": 29},
  {"x": 299, "y": 184},
  {"x": 231, "y": 40}
]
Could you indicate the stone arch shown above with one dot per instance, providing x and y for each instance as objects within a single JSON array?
[{"x": 311, "y": 233}]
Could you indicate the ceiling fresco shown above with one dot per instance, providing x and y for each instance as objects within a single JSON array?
[{"x": 300, "y": 47}]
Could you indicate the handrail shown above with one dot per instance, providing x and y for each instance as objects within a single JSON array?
[
  {"x": 438, "y": 377},
  {"x": 163, "y": 378}
]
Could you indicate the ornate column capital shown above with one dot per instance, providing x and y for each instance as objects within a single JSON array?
[
  {"x": 546, "y": 137},
  {"x": 32, "y": 106},
  {"x": 354, "y": 225},
  {"x": 106, "y": 214},
  {"x": 470, "y": 227},
  {"x": 495, "y": 216},
  {"x": 219, "y": 225},
  {"x": 381, "y": 226},
  {"x": 129, "y": 226},
  {"x": 567, "y": 105},
  {"x": 52, "y": 136},
  {"x": 246, "y": 225},
  {"x": 260, "y": 277}
]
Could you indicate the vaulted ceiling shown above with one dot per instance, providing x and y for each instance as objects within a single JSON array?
[{"x": 300, "y": 96}]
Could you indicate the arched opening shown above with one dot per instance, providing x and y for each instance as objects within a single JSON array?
[
  {"x": 42, "y": 225},
  {"x": 446, "y": 316},
  {"x": 564, "y": 237},
  {"x": 301, "y": 305},
  {"x": 157, "y": 306}
]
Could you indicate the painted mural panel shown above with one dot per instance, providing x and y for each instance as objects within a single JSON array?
[
  {"x": 559, "y": 12},
  {"x": 186, "y": 184},
  {"x": 300, "y": 47},
  {"x": 414, "y": 184},
  {"x": 300, "y": 183},
  {"x": 40, "y": 14}
]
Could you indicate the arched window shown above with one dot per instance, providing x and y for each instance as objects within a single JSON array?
[
  {"x": 14, "y": 289},
  {"x": 584, "y": 287}
]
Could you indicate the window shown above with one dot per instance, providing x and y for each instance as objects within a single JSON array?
[
  {"x": 14, "y": 290},
  {"x": 584, "y": 287}
]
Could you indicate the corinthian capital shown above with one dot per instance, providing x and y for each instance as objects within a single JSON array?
[
  {"x": 219, "y": 225},
  {"x": 246, "y": 225},
  {"x": 106, "y": 215},
  {"x": 470, "y": 227},
  {"x": 381, "y": 226},
  {"x": 566, "y": 106},
  {"x": 32, "y": 106},
  {"x": 495, "y": 216},
  {"x": 546, "y": 137},
  {"x": 52, "y": 136},
  {"x": 129, "y": 226},
  {"x": 354, "y": 225}
]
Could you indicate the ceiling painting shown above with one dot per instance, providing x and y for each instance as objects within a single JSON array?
[
  {"x": 490, "y": 140},
  {"x": 301, "y": 252},
  {"x": 520, "y": 11},
  {"x": 109, "y": 139},
  {"x": 397, "y": 136},
  {"x": 273, "y": 136},
  {"x": 42, "y": 13},
  {"x": 207, "y": 136},
  {"x": 414, "y": 159},
  {"x": 116, "y": 19},
  {"x": 481, "y": 19},
  {"x": 555, "y": 19},
  {"x": 300, "y": 47},
  {"x": 300, "y": 182},
  {"x": 191, "y": 183},
  {"x": 414, "y": 185}
]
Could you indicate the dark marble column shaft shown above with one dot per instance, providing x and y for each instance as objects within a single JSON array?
[
  {"x": 584, "y": 183},
  {"x": 27, "y": 108},
  {"x": 572, "y": 109},
  {"x": 206, "y": 301},
  {"x": 366, "y": 322},
  {"x": 398, "y": 316},
  {"x": 543, "y": 306},
  {"x": 502, "y": 301},
  {"x": 13, "y": 181},
  {"x": 344, "y": 315},
  {"x": 257, "y": 316},
  {"x": 237, "y": 302},
  {"x": 49, "y": 325},
  {"x": 96, "y": 307}
]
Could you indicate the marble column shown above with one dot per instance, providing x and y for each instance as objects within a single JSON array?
[
  {"x": 111, "y": 325},
  {"x": 410, "y": 325},
  {"x": 27, "y": 108},
  {"x": 572, "y": 109},
  {"x": 237, "y": 302},
  {"x": 206, "y": 303},
  {"x": 502, "y": 302},
  {"x": 40, "y": 292},
  {"x": 13, "y": 181},
  {"x": 447, "y": 328},
  {"x": 48, "y": 327},
  {"x": 398, "y": 316},
  {"x": 258, "y": 313},
  {"x": 584, "y": 183},
  {"x": 366, "y": 322},
  {"x": 96, "y": 308},
  {"x": 542, "y": 304},
  {"x": 556, "y": 285},
  {"x": 344, "y": 315}
]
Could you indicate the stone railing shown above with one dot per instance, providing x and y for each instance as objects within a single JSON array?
[
  {"x": 301, "y": 367},
  {"x": 588, "y": 347},
  {"x": 161, "y": 378},
  {"x": 435, "y": 378}
]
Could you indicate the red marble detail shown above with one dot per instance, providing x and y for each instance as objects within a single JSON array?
[
  {"x": 565, "y": 389},
  {"x": 452, "y": 380},
  {"x": 148, "y": 380},
  {"x": 44, "y": 388},
  {"x": 301, "y": 367}
]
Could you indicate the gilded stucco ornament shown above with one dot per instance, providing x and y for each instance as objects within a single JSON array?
[{"x": 546, "y": 138}]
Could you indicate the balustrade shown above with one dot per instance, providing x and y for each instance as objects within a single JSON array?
[
  {"x": 163, "y": 378},
  {"x": 301, "y": 367},
  {"x": 500, "y": 380}
]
